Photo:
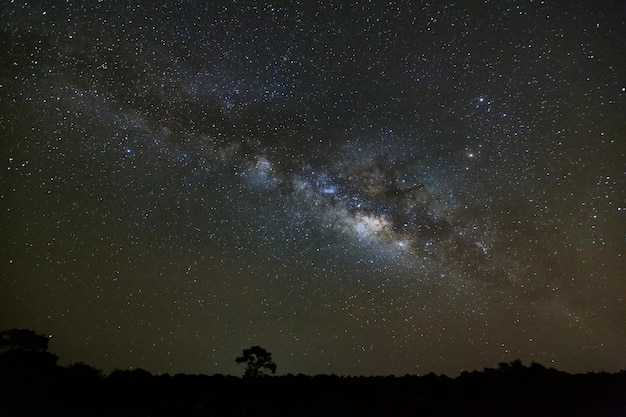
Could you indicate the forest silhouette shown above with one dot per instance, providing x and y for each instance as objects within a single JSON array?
[{"x": 32, "y": 384}]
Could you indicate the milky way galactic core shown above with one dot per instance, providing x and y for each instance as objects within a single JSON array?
[{"x": 360, "y": 188}]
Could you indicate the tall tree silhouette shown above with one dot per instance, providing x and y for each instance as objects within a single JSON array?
[{"x": 257, "y": 361}]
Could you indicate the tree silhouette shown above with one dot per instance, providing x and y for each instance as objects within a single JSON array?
[
  {"x": 25, "y": 352},
  {"x": 23, "y": 340},
  {"x": 257, "y": 360}
]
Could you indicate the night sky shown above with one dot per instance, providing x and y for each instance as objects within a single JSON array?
[{"x": 370, "y": 188}]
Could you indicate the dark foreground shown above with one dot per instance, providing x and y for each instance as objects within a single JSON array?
[{"x": 510, "y": 390}]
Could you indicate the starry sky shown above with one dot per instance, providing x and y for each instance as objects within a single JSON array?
[{"x": 363, "y": 188}]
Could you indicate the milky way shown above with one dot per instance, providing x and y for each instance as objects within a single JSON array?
[{"x": 366, "y": 188}]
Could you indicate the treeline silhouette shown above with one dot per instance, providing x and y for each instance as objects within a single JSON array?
[{"x": 32, "y": 384}]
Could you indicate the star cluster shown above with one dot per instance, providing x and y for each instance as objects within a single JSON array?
[{"x": 363, "y": 188}]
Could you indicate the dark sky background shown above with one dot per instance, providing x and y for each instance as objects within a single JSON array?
[{"x": 360, "y": 188}]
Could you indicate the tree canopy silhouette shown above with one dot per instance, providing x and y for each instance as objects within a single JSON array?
[
  {"x": 23, "y": 340},
  {"x": 25, "y": 352},
  {"x": 257, "y": 361}
]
